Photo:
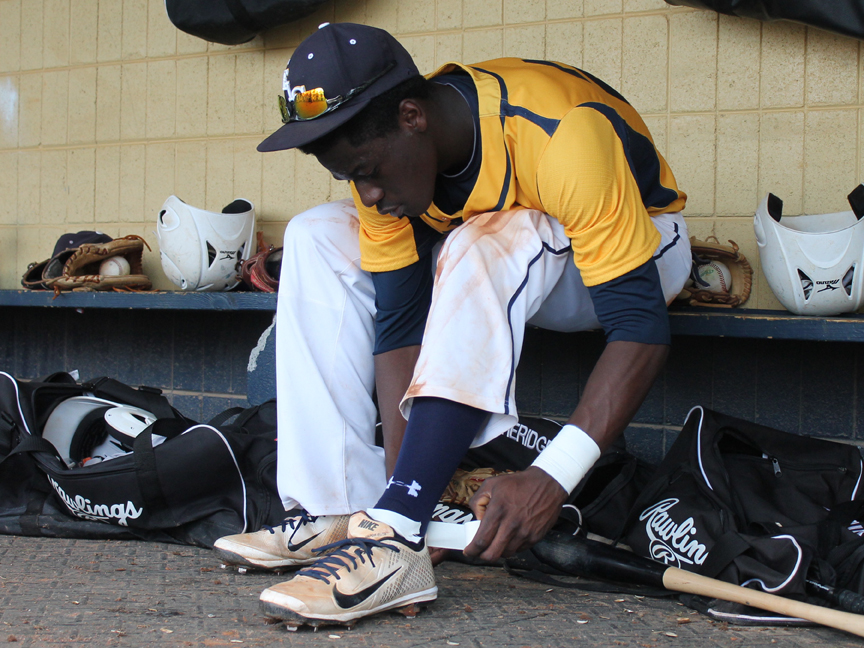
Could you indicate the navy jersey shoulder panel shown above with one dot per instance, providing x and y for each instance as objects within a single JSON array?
[
  {"x": 509, "y": 171},
  {"x": 642, "y": 158},
  {"x": 508, "y": 110},
  {"x": 632, "y": 307},
  {"x": 402, "y": 299},
  {"x": 425, "y": 236},
  {"x": 452, "y": 191}
]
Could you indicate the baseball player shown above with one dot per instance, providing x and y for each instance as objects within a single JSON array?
[{"x": 486, "y": 197}]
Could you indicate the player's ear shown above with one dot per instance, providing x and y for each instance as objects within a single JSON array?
[{"x": 412, "y": 116}]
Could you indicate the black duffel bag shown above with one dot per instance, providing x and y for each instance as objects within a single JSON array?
[
  {"x": 179, "y": 481},
  {"x": 754, "y": 506}
]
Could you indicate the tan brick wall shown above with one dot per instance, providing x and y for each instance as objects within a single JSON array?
[{"x": 106, "y": 109}]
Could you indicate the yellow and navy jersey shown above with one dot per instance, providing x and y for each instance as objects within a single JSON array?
[{"x": 554, "y": 138}]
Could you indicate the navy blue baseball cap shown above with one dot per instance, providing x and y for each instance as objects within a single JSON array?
[
  {"x": 337, "y": 71},
  {"x": 72, "y": 241}
]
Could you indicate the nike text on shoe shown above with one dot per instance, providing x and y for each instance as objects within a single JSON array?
[
  {"x": 373, "y": 570},
  {"x": 291, "y": 544}
]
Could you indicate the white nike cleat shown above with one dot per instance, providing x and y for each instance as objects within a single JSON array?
[
  {"x": 291, "y": 544},
  {"x": 373, "y": 570}
]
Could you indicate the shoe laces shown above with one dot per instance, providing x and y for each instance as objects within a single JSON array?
[
  {"x": 350, "y": 550},
  {"x": 295, "y": 522}
]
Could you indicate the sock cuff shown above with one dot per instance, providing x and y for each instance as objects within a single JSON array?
[{"x": 404, "y": 526}]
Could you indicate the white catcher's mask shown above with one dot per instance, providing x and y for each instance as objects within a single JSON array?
[
  {"x": 813, "y": 263},
  {"x": 203, "y": 250}
]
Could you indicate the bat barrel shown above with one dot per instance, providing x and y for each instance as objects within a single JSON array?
[{"x": 592, "y": 559}]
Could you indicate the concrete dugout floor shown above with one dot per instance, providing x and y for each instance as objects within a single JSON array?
[{"x": 58, "y": 592}]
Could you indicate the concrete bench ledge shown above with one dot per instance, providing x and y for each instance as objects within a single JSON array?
[
  {"x": 159, "y": 300},
  {"x": 685, "y": 320}
]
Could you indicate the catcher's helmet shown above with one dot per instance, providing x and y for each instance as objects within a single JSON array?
[
  {"x": 813, "y": 263},
  {"x": 203, "y": 250}
]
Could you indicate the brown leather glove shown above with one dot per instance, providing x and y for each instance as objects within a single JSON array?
[
  {"x": 739, "y": 269},
  {"x": 81, "y": 268}
]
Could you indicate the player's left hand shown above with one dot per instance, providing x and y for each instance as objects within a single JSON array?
[{"x": 516, "y": 510}]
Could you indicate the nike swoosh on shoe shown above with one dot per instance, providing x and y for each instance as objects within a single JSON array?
[
  {"x": 346, "y": 601},
  {"x": 300, "y": 545}
]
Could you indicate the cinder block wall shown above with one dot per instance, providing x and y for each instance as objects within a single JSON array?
[{"x": 106, "y": 109}]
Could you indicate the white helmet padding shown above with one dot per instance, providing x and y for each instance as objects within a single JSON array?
[
  {"x": 814, "y": 264},
  {"x": 203, "y": 250},
  {"x": 79, "y": 425}
]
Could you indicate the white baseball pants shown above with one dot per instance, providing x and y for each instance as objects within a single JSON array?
[{"x": 495, "y": 274}]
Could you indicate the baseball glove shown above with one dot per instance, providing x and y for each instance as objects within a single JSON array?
[
  {"x": 81, "y": 269},
  {"x": 261, "y": 271},
  {"x": 739, "y": 269},
  {"x": 464, "y": 484}
]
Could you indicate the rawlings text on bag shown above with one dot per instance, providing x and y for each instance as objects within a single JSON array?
[
  {"x": 194, "y": 482},
  {"x": 753, "y": 506}
]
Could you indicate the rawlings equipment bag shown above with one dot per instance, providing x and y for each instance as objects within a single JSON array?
[
  {"x": 730, "y": 269},
  {"x": 174, "y": 479},
  {"x": 754, "y": 506}
]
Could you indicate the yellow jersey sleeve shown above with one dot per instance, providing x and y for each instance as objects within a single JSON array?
[
  {"x": 386, "y": 243},
  {"x": 585, "y": 181}
]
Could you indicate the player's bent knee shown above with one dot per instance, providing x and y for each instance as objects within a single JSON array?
[{"x": 321, "y": 225}]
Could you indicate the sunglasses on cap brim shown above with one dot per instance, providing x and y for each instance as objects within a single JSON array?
[{"x": 311, "y": 104}]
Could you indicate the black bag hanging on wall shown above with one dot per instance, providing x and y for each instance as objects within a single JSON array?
[
  {"x": 845, "y": 17},
  {"x": 754, "y": 506},
  {"x": 232, "y": 22}
]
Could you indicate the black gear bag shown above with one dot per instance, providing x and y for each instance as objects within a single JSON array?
[
  {"x": 181, "y": 482},
  {"x": 232, "y": 22},
  {"x": 754, "y": 506},
  {"x": 844, "y": 17}
]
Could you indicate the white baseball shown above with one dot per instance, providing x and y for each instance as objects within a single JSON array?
[
  {"x": 715, "y": 276},
  {"x": 115, "y": 266}
]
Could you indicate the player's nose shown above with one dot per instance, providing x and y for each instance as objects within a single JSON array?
[{"x": 370, "y": 194}]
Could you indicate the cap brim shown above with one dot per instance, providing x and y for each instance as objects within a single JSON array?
[{"x": 298, "y": 133}]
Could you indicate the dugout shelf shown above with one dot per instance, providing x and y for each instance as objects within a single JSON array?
[
  {"x": 157, "y": 300},
  {"x": 685, "y": 320}
]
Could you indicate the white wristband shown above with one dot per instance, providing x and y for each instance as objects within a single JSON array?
[{"x": 568, "y": 457}]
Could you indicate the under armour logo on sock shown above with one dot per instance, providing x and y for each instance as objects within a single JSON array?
[{"x": 413, "y": 489}]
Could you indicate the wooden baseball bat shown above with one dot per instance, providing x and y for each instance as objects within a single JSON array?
[{"x": 593, "y": 559}]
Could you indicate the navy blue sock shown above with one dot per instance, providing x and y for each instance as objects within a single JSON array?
[{"x": 438, "y": 435}]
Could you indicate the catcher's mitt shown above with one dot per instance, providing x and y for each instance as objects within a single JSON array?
[
  {"x": 81, "y": 269},
  {"x": 739, "y": 268}
]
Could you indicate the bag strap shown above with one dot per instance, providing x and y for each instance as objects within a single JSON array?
[
  {"x": 841, "y": 516},
  {"x": 144, "y": 456},
  {"x": 33, "y": 444},
  {"x": 148, "y": 398},
  {"x": 222, "y": 417},
  {"x": 7, "y": 429}
]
